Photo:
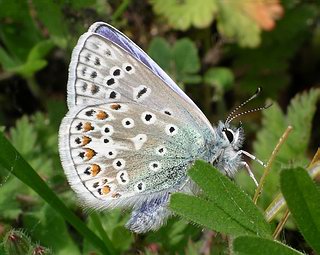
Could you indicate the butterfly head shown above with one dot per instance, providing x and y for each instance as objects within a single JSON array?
[
  {"x": 229, "y": 139},
  {"x": 232, "y": 136}
]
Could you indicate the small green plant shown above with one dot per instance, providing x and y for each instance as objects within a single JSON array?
[
  {"x": 227, "y": 209},
  {"x": 16, "y": 242}
]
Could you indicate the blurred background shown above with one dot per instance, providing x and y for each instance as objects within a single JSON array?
[{"x": 218, "y": 51}]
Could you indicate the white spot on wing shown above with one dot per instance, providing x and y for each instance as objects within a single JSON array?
[
  {"x": 116, "y": 72},
  {"x": 128, "y": 68},
  {"x": 122, "y": 177},
  {"x": 111, "y": 153},
  {"x": 127, "y": 123},
  {"x": 161, "y": 150},
  {"x": 140, "y": 93},
  {"x": 110, "y": 82},
  {"x": 140, "y": 186},
  {"x": 148, "y": 118},
  {"x": 118, "y": 163},
  {"x": 171, "y": 129},
  {"x": 107, "y": 130},
  {"x": 107, "y": 140},
  {"x": 139, "y": 140},
  {"x": 155, "y": 166}
]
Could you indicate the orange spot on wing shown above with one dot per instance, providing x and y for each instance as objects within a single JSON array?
[
  {"x": 85, "y": 140},
  {"x": 87, "y": 127},
  {"x": 106, "y": 189},
  {"x": 101, "y": 115},
  {"x": 90, "y": 153},
  {"x": 115, "y": 106},
  {"x": 115, "y": 195},
  {"x": 95, "y": 169}
]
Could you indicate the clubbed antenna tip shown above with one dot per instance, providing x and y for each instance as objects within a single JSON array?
[{"x": 233, "y": 114}]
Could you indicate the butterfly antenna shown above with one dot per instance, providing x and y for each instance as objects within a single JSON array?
[
  {"x": 249, "y": 111},
  {"x": 242, "y": 104}
]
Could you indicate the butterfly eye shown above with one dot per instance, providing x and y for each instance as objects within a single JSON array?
[{"x": 229, "y": 134}]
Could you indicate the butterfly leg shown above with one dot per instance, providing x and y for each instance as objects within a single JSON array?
[
  {"x": 251, "y": 156},
  {"x": 150, "y": 215},
  {"x": 247, "y": 167}
]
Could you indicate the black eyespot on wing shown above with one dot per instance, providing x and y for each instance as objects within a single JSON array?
[
  {"x": 97, "y": 61},
  {"x": 94, "y": 89},
  {"x": 140, "y": 186},
  {"x": 84, "y": 86},
  {"x": 87, "y": 57},
  {"x": 148, "y": 117},
  {"x": 113, "y": 95},
  {"x": 172, "y": 129},
  {"x": 110, "y": 81},
  {"x": 90, "y": 113},
  {"x": 93, "y": 74},
  {"x": 79, "y": 126},
  {"x": 141, "y": 92},
  {"x": 117, "y": 72}
]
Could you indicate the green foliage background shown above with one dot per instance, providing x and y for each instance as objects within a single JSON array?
[{"x": 219, "y": 54}]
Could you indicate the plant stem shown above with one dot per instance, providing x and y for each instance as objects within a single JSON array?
[
  {"x": 268, "y": 167},
  {"x": 281, "y": 224}
]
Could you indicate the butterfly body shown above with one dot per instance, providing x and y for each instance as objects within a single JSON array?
[{"x": 131, "y": 134}]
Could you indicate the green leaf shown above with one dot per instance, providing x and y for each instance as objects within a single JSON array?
[
  {"x": 234, "y": 23},
  {"x": 54, "y": 225},
  {"x": 250, "y": 245},
  {"x": 183, "y": 14},
  {"x": 6, "y": 61},
  {"x": 110, "y": 225},
  {"x": 191, "y": 78},
  {"x": 11, "y": 160},
  {"x": 303, "y": 199},
  {"x": 50, "y": 14},
  {"x": 185, "y": 55},
  {"x": 174, "y": 235},
  {"x": 293, "y": 152},
  {"x": 76, "y": 4},
  {"x": 40, "y": 50},
  {"x": 10, "y": 208},
  {"x": 23, "y": 136},
  {"x": 18, "y": 32},
  {"x": 160, "y": 51},
  {"x": 228, "y": 210},
  {"x": 35, "y": 61},
  {"x": 181, "y": 60},
  {"x": 220, "y": 77},
  {"x": 277, "y": 49}
]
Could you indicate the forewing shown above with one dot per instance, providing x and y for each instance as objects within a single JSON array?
[{"x": 103, "y": 50}]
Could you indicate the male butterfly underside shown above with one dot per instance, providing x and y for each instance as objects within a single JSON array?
[{"x": 131, "y": 133}]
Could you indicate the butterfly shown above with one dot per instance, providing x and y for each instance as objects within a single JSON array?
[{"x": 131, "y": 133}]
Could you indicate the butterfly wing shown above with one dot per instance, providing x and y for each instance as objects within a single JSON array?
[{"x": 130, "y": 133}]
